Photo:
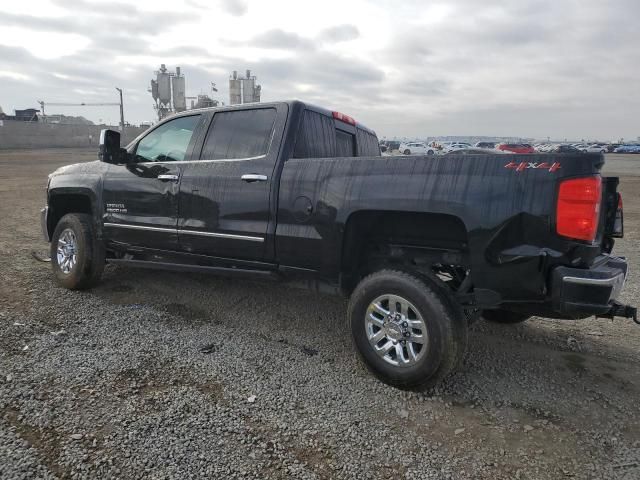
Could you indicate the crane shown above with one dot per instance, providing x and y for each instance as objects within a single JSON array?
[{"x": 87, "y": 104}]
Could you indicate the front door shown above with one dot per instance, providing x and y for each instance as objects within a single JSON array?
[
  {"x": 224, "y": 196},
  {"x": 141, "y": 198}
]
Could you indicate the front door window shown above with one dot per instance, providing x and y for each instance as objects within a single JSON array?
[{"x": 167, "y": 143}]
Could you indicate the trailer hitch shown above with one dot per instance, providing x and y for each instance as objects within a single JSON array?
[{"x": 620, "y": 310}]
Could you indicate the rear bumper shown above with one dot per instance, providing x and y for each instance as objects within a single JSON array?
[
  {"x": 579, "y": 292},
  {"x": 44, "y": 223}
]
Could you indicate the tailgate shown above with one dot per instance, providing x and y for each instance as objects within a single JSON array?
[{"x": 611, "y": 218}]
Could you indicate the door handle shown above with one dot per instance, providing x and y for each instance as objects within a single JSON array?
[
  {"x": 253, "y": 177},
  {"x": 169, "y": 178}
]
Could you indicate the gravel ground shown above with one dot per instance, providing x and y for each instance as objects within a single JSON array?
[{"x": 166, "y": 375}]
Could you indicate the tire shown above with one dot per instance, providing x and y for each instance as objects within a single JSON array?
[
  {"x": 430, "y": 152},
  {"x": 76, "y": 229},
  {"x": 443, "y": 322},
  {"x": 503, "y": 316},
  {"x": 407, "y": 152}
]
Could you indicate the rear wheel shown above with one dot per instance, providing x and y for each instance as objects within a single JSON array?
[
  {"x": 503, "y": 316},
  {"x": 77, "y": 257},
  {"x": 406, "y": 329},
  {"x": 430, "y": 152}
]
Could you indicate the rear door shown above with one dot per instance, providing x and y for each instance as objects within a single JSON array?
[
  {"x": 224, "y": 198},
  {"x": 140, "y": 197}
]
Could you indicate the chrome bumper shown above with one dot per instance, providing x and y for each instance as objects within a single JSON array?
[
  {"x": 577, "y": 291},
  {"x": 44, "y": 216}
]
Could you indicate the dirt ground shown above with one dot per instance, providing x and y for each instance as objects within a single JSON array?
[{"x": 543, "y": 399}]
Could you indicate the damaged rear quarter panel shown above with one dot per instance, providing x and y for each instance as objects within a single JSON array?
[{"x": 501, "y": 209}]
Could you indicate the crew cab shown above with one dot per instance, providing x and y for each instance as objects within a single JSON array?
[{"x": 287, "y": 191}]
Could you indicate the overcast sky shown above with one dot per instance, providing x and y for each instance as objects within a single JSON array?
[{"x": 558, "y": 68}]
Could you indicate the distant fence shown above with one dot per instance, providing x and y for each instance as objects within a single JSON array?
[{"x": 14, "y": 134}]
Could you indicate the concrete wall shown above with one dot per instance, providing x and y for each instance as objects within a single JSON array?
[{"x": 15, "y": 134}]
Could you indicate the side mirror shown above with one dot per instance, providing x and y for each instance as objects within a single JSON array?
[{"x": 109, "y": 150}]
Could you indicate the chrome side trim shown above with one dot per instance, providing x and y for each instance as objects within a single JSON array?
[
  {"x": 220, "y": 160},
  {"x": 222, "y": 235},
  {"x": 187, "y": 232},
  {"x": 595, "y": 281},
  {"x": 140, "y": 227}
]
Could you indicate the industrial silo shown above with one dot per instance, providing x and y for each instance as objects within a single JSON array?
[
  {"x": 164, "y": 85},
  {"x": 235, "y": 89},
  {"x": 154, "y": 90},
  {"x": 179, "y": 94},
  {"x": 248, "y": 89}
]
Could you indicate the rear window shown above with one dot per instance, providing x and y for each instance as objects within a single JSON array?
[
  {"x": 239, "y": 134},
  {"x": 345, "y": 144}
]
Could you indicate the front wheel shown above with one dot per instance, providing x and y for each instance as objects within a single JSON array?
[
  {"x": 406, "y": 329},
  {"x": 77, "y": 257},
  {"x": 407, "y": 152},
  {"x": 430, "y": 152}
]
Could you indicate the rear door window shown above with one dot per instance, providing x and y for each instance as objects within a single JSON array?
[
  {"x": 239, "y": 134},
  {"x": 316, "y": 137}
]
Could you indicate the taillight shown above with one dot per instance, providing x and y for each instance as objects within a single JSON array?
[
  {"x": 578, "y": 208},
  {"x": 344, "y": 118}
]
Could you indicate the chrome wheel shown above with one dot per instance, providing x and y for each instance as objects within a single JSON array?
[
  {"x": 396, "y": 330},
  {"x": 67, "y": 251}
]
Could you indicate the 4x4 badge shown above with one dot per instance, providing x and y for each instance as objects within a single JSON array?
[{"x": 520, "y": 166}]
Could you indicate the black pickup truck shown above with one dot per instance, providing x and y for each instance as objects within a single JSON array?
[{"x": 423, "y": 245}]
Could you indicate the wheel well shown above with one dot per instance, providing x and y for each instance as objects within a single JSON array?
[
  {"x": 61, "y": 204},
  {"x": 422, "y": 242}
]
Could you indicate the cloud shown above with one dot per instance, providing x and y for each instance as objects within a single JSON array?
[
  {"x": 237, "y": 8},
  {"x": 339, "y": 33},
  {"x": 532, "y": 67},
  {"x": 121, "y": 19},
  {"x": 280, "y": 39}
]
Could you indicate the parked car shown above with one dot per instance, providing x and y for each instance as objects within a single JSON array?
[
  {"x": 612, "y": 146},
  {"x": 627, "y": 149},
  {"x": 564, "y": 149},
  {"x": 475, "y": 151},
  {"x": 490, "y": 145},
  {"x": 290, "y": 191},
  {"x": 455, "y": 146},
  {"x": 516, "y": 147},
  {"x": 392, "y": 145},
  {"x": 416, "y": 148},
  {"x": 544, "y": 147},
  {"x": 596, "y": 148}
]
